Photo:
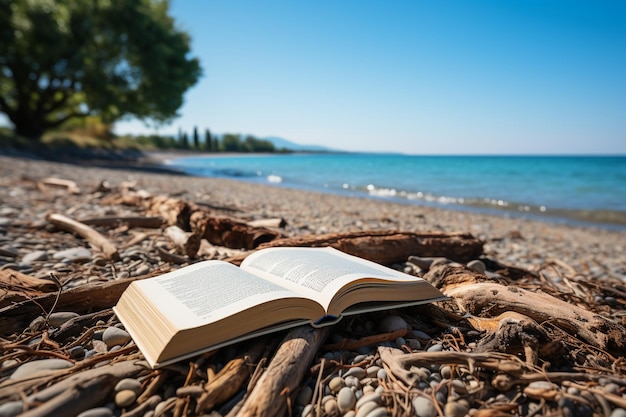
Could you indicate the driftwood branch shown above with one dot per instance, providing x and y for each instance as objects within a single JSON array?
[
  {"x": 475, "y": 294},
  {"x": 91, "y": 235},
  {"x": 130, "y": 221},
  {"x": 284, "y": 373},
  {"x": 186, "y": 243},
  {"x": 389, "y": 247}
]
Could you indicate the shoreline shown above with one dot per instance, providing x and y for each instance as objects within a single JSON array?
[
  {"x": 601, "y": 219},
  {"x": 523, "y": 241}
]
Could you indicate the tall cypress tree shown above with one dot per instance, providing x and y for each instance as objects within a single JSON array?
[
  {"x": 208, "y": 145},
  {"x": 196, "y": 138}
]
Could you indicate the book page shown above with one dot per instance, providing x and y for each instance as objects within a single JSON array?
[
  {"x": 208, "y": 291},
  {"x": 318, "y": 272}
]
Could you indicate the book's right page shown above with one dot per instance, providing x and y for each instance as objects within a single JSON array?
[{"x": 335, "y": 279}]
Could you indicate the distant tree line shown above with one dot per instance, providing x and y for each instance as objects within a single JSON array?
[{"x": 228, "y": 142}]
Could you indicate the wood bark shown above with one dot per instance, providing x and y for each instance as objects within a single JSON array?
[
  {"x": 81, "y": 300},
  {"x": 16, "y": 286},
  {"x": 130, "y": 221},
  {"x": 284, "y": 373},
  {"x": 389, "y": 247},
  {"x": 186, "y": 243},
  {"x": 229, "y": 232},
  {"x": 475, "y": 294},
  {"x": 97, "y": 240}
]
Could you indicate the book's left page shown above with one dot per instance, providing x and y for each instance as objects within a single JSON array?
[{"x": 212, "y": 294}]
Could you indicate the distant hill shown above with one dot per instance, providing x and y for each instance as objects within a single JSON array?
[{"x": 281, "y": 143}]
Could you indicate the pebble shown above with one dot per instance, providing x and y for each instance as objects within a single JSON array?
[
  {"x": 78, "y": 254},
  {"x": 364, "y": 409},
  {"x": 392, "y": 324},
  {"x": 336, "y": 384},
  {"x": 97, "y": 412},
  {"x": 115, "y": 336},
  {"x": 39, "y": 366},
  {"x": 11, "y": 408},
  {"x": 618, "y": 412},
  {"x": 58, "y": 318},
  {"x": 437, "y": 347},
  {"x": 38, "y": 255},
  {"x": 355, "y": 372},
  {"x": 424, "y": 407},
  {"x": 477, "y": 266},
  {"x": 378, "y": 412},
  {"x": 128, "y": 384},
  {"x": 125, "y": 398},
  {"x": 346, "y": 399}
]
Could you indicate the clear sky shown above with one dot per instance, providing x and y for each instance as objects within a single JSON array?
[{"x": 422, "y": 77}]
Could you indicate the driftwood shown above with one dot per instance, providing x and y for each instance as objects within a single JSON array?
[
  {"x": 284, "y": 374},
  {"x": 16, "y": 286},
  {"x": 475, "y": 294},
  {"x": 129, "y": 221},
  {"x": 69, "y": 185},
  {"x": 91, "y": 235},
  {"x": 186, "y": 243},
  {"x": 389, "y": 247},
  {"x": 229, "y": 232},
  {"x": 84, "y": 299}
]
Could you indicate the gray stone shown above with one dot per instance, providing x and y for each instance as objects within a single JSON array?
[
  {"x": 38, "y": 255},
  {"x": 336, "y": 384},
  {"x": 378, "y": 412},
  {"x": 618, "y": 412},
  {"x": 128, "y": 384},
  {"x": 477, "y": 266},
  {"x": 364, "y": 409},
  {"x": 57, "y": 319},
  {"x": 97, "y": 412},
  {"x": 346, "y": 399},
  {"x": 78, "y": 254},
  {"x": 114, "y": 336},
  {"x": 424, "y": 407},
  {"x": 33, "y": 368},
  {"x": 37, "y": 324},
  {"x": 356, "y": 372},
  {"x": 437, "y": 347},
  {"x": 11, "y": 409},
  {"x": 392, "y": 324}
]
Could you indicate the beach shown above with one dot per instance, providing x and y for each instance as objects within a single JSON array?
[{"x": 592, "y": 255}]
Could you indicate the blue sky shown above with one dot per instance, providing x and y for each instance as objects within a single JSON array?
[{"x": 422, "y": 77}]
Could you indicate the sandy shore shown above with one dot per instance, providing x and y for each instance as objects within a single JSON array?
[{"x": 594, "y": 252}]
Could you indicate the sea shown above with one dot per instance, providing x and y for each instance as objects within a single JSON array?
[{"x": 585, "y": 190}]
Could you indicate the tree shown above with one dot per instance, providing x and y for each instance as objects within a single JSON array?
[
  {"x": 62, "y": 59},
  {"x": 208, "y": 146},
  {"x": 196, "y": 138}
]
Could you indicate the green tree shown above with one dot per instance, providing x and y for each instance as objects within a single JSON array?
[
  {"x": 184, "y": 144},
  {"x": 231, "y": 142},
  {"x": 208, "y": 145},
  {"x": 64, "y": 59},
  {"x": 196, "y": 138}
]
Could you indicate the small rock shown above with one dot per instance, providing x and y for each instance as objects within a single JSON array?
[
  {"x": 477, "y": 266},
  {"x": 305, "y": 396},
  {"x": 79, "y": 254},
  {"x": 11, "y": 409},
  {"x": 125, "y": 398},
  {"x": 39, "y": 366},
  {"x": 378, "y": 412},
  {"x": 38, "y": 255},
  {"x": 364, "y": 409},
  {"x": 336, "y": 384},
  {"x": 114, "y": 336},
  {"x": 128, "y": 384},
  {"x": 97, "y": 412},
  {"x": 392, "y": 324},
  {"x": 356, "y": 372},
  {"x": 437, "y": 347},
  {"x": 618, "y": 412},
  {"x": 57, "y": 319},
  {"x": 424, "y": 407},
  {"x": 77, "y": 352},
  {"x": 330, "y": 407},
  {"x": 346, "y": 399},
  {"x": 37, "y": 324}
]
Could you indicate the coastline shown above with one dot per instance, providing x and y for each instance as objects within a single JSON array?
[{"x": 524, "y": 242}]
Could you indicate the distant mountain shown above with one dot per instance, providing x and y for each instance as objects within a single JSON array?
[{"x": 281, "y": 143}]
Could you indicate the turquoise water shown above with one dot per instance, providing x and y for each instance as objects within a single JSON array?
[{"x": 560, "y": 188}]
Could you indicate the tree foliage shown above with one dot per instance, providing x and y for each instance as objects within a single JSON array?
[{"x": 61, "y": 59}]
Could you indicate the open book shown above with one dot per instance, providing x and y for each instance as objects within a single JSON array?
[{"x": 214, "y": 303}]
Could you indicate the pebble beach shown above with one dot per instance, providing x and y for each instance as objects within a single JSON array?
[{"x": 361, "y": 385}]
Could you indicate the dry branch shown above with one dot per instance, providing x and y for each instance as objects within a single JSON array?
[
  {"x": 474, "y": 294},
  {"x": 144, "y": 222},
  {"x": 91, "y": 235},
  {"x": 229, "y": 232},
  {"x": 284, "y": 373},
  {"x": 389, "y": 247},
  {"x": 186, "y": 243}
]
